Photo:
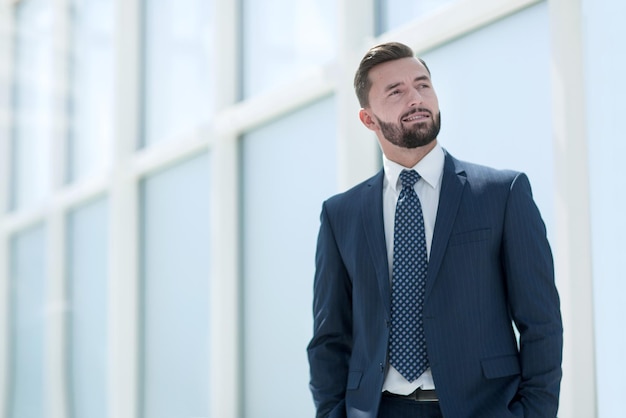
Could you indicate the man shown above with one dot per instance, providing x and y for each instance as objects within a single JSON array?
[{"x": 422, "y": 270}]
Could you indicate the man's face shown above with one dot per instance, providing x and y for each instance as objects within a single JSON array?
[{"x": 403, "y": 106}]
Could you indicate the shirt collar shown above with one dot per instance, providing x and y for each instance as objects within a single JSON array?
[{"x": 430, "y": 168}]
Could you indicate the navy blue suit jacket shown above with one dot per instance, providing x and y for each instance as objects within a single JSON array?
[{"x": 490, "y": 266}]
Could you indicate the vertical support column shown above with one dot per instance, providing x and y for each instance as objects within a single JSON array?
[
  {"x": 358, "y": 154},
  {"x": 225, "y": 287},
  {"x": 6, "y": 71},
  {"x": 225, "y": 293},
  {"x": 6, "y": 65},
  {"x": 5, "y": 324},
  {"x": 573, "y": 228},
  {"x": 55, "y": 381},
  {"x": 123, "y": 296},
  {"x": 124, "y": 283}
]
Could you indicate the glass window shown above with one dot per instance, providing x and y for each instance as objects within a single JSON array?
[
  {"x": 178, "y": 68},
  {"x": 395, "y": 13},
  {"x": 487, "y": 83},
  {"x": 284, "y": 38},
  {"x": 87, "y": 284},
  {"x": 175, "y": 266},
  {"x": 32, "y": 100},
  {"x": 289, "y": 168},
  {"x": 605, "y": 106},
  {"x": 28, "y": 282},
  {"x": 92, "y": 87},
  {"x": 6, "y": 48}
]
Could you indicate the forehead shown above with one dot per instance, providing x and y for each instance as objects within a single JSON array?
[{"x": 403, "y": 70}]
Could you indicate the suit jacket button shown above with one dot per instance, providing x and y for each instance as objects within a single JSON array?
[{"x": 382, "y": 367}]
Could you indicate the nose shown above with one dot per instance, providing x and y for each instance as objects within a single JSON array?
[{"x": 415, "y": 98}]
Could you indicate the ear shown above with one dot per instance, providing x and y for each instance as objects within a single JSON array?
[{"x": 368, "y": 119}]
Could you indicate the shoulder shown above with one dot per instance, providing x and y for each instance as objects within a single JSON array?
[
  {"x": 479, "y": 175},
  {"x": 355, "y": 194}
]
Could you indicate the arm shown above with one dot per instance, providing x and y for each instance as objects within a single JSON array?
[
  {"x": 533, "y": 301},
  {"x": 330, "y": 348}
]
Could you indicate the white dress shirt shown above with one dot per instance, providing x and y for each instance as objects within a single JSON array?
[{"x": 430, "y": 168}]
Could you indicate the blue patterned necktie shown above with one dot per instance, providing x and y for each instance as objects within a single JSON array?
[{"x": 407, "y": 348}]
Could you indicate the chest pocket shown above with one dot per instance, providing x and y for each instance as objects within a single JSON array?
[{"x": 470, "y": 236}]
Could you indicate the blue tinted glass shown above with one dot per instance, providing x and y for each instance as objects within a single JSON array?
[
  {"x": 487, "y": 81},
  {"x": 175, "y": 265},
  {"x": 87, "y": 284},
  {"x": 92, "y": 87},
  {"x": 28, "y": 282},
  {"x": 395, "y": 13},
  {"x": 178, "y": 68},
  {"x": 33, "y": 103},
  {"x": 289, "y": 168},
  {"x": 605, "y": 106},
  {"x": 285, "y": 38}
]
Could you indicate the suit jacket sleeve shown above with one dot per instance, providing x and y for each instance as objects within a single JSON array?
[
  {"x": 331, "y": 346},
  {"x": 533, "y": 300}
]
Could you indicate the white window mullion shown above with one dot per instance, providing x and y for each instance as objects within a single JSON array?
[
  {"x": 55, "y": 305},
  {"x": 56, "y": 316},
  {"x": 6, "y": 71},
  {"x": 123, "y": 298},
  {"x": 123, "y": 282},
  {"x": 6, "y": 63},
  {"x": 5, "y": 331},
  {"x": 573, "y": 223},
  {"x": 224, "y": 288},
  {"x": 358, "y": 157},
  {"x": 225, "y": 303}
]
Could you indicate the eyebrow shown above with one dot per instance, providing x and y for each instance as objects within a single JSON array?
[{"x": 394, "y": 85}]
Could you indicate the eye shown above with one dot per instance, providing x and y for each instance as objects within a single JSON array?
[{"x": 394, "y": 92}]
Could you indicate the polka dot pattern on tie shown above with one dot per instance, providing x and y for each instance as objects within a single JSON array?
[{"x": 407, "y": 346}]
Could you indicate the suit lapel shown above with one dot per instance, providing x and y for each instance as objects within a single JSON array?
[
  {"x": 372, "y": 207},
  {"x": 452, "y": 185}
]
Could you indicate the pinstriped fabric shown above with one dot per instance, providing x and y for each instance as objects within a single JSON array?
[
  {"x": 407, "y": 348},
  {"x": 489, "y": 263}
]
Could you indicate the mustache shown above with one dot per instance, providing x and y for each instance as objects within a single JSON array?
[{"x": 415, "y": 110}]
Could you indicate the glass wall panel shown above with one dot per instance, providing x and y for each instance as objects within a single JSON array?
[
  {"x": 33, "y": 98},
  {"x": 395, "y": 13},
  {"x": 604, "y": 90},
  {"x": 178, "y": 67},
  {"x": 284, "y": 38},
  {"x": 87, "y": 282},
  {"x": 289, "y": 168},
  {"x": 92, "y": 87},
  {"x": 28, "y": 282},
  {"x": 175, "y": 265},
  {"x": 6, "y": 48},
  {"x": 494, "y": 93}
]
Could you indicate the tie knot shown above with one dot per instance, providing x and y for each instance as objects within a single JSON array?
[{"x": 409, "y": 178}]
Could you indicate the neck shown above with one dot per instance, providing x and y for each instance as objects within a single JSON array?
[{"x": 407, "y": 157}]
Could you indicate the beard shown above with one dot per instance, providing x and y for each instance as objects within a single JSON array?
[{"x": 420, "y": 134}]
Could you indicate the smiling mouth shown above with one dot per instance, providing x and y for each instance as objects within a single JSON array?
[{"x": 417, "y": 116}]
